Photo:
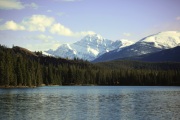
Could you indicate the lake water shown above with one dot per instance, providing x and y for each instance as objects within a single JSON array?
[{"x": 90, "y": 103}]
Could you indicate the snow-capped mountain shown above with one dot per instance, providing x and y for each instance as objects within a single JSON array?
[
  {"x": 163, "y": 40},
  {"x": 89, "y": 48},
  {"x": 150, "y": 44}
]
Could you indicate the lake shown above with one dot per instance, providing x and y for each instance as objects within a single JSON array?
[{"x": 90, "y": 103}]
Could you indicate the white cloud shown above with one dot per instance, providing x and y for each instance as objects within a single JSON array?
[
  {"x": 33, "y": 23},
  {"x": 42, "y": 23},
  {"x": 64, "y": 31},
  {"x": 11, "y": 4},
  {"x": 38, "y": 23},
  {"x": 61, "y": 30},
  {"x": 15, "y": 4},
  {"x": 127, "y": 34},
  {"x": 178, "y": 18},
  {"x": 11, "y": 25}
]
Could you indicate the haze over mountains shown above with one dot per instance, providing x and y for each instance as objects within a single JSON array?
[{"x": 97, "y": 49}]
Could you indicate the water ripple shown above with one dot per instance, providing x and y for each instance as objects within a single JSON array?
[{"x": 87, "y": 103}]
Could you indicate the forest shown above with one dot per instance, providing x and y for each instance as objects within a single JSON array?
[{"x": 21, "y": 67}]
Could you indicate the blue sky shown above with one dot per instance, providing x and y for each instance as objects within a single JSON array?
[{"x": 45, "y": 24}]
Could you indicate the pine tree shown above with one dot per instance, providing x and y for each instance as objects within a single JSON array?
[
  {"x": 38, "y": 75},
  {"x": 19, "y": 71}
]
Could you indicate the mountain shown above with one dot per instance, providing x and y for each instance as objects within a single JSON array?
[
  {"x": 89, "y": 48},
  {"x": 150, "y": 44},
  {"x": 168, "y": 55}
]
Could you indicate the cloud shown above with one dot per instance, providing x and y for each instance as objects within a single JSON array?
[
  {"x": 64, "y": 31},
  {"x": 15, "y": 4},
  {"x": 127, "y": 34},
  {"x": 11, "y": 25},
  {"x": 61, "y": 30},
  {"x": 178, "y": 18},
  {"x": 11, "y": 4},
  {"x": 42, "y": 23},
  {"x": 33, "y": 23},
  {"x": 38, "y": 23}
]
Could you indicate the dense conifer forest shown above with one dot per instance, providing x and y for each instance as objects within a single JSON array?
[{"x": 21, "y": 67}]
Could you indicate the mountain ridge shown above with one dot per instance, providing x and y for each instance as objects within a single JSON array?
[
  {"x": 89, "y": 47},
  {"x": 167, "y": 55},
  {"x": 149, "y": 44}
]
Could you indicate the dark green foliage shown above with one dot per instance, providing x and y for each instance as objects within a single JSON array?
[
  {"x": 20, "y": 67},
  {"x": 127, "y": 64}
]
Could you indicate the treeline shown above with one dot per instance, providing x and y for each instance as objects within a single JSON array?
[
  {"x": 139, "y": 65},
  {"x": 20, "y": 67}
]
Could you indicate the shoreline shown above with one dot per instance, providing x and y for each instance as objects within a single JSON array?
[
  {"x": 9, "y": 87},
  {"x": 17, "y": 87}
]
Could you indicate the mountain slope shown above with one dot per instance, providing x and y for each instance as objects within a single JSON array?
[
  {"x": 88, "y": 48},
  {"x": 150, "y": 44},
  {"x": 168, "y": 55}
]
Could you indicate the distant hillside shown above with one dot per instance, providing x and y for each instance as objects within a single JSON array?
[
  {"x": 168, "y": 55},
  {"x": 44, "y": 59},
  {"x": 139, "y": 65},
  {"x": 20, "y": 50}
]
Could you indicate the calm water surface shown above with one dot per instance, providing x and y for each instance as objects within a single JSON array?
[{"x": 91, "y": 103}]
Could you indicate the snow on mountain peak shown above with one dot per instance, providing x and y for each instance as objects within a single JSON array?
[
  {"x": 92, "y": 46},
  {"x": 93, "y": 38},
  {"x": 88, "y": 48},
  {"x": 124, "y": 43},
  {"x": 168, "y": 39}
]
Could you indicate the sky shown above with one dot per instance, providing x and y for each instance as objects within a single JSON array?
[{"x": 40, "y": 25}]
